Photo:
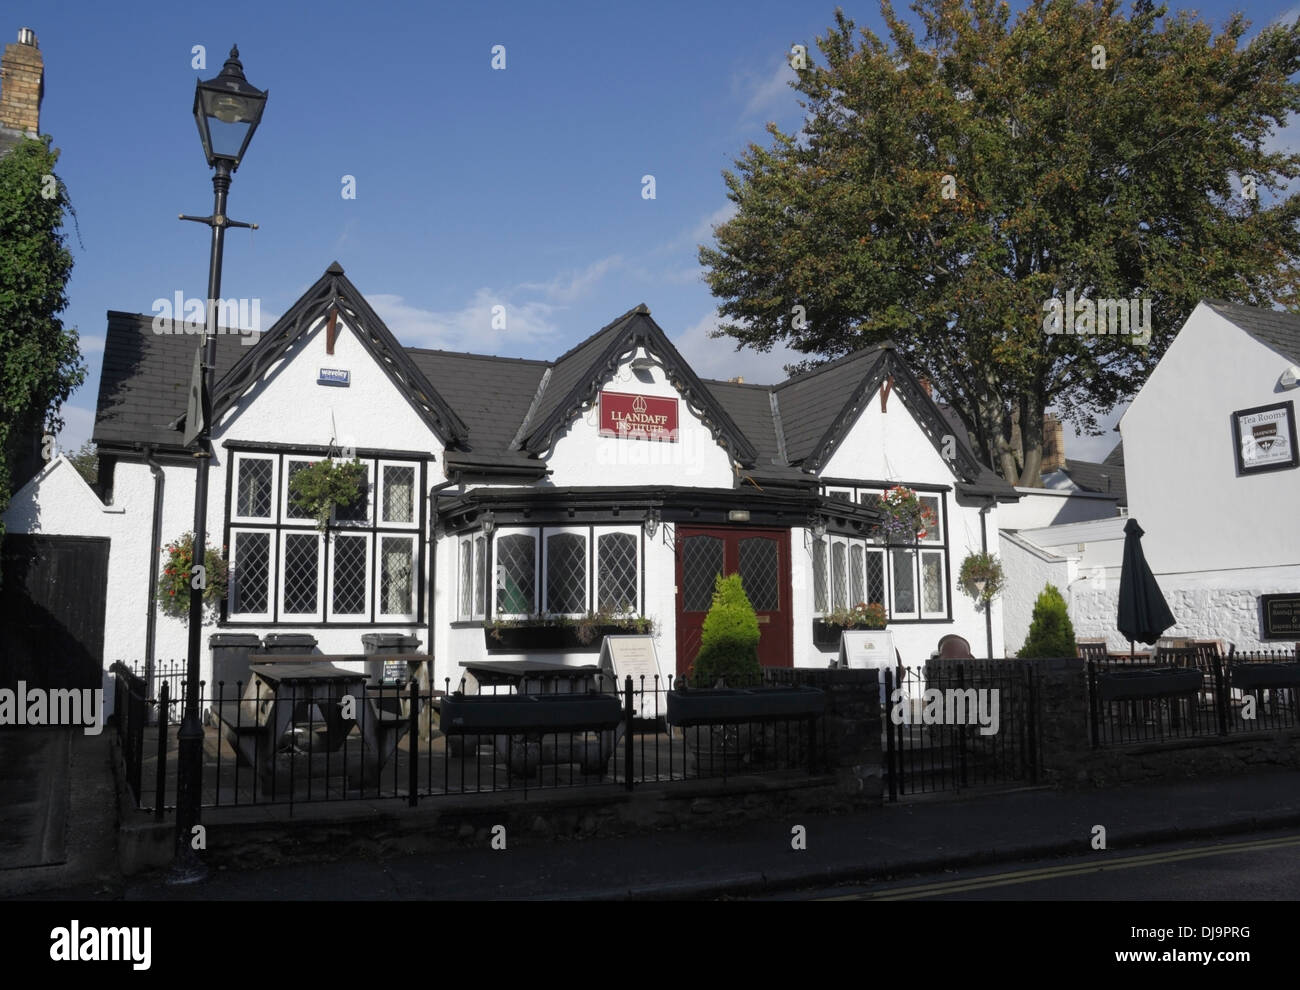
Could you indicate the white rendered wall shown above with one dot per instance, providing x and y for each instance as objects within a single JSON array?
[
  {"x": 1028, "y": 570},
  {"x": 1047, "y": 507},
  {"x": 286, "y": 406},
  {"x": 1180, "y": 465},
  {"x": 891, "y": 446},
  {"x": 580, "y": 456}
]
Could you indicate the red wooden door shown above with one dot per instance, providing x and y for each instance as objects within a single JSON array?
[{"x": 762, "y": 559}]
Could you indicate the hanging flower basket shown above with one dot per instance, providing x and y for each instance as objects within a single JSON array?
[
  {"x": 177, "y": 579},
  {"x": 904, "y": 518},
  {"x": 981, "y": 577},
  {"x": 318, "y": 488}
]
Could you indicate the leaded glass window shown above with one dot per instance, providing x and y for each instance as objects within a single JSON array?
[
  {"x": 516, "y": 582},
  {"x": 566, "y": 573},
  {"x": 616, "y": 572}
]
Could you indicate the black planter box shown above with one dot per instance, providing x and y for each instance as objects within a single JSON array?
[
  {"x": 525, "y": 639},
  {"x": 489, "y": 713},
  {"x": 719, "y": 706},
  {"x": 824, "y": 634},
  {"x": 1131, "y": 685},
  {"x": 1249, "y": 676}
]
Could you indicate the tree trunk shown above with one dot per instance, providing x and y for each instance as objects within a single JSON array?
[{"x": 1031, "y": 441}]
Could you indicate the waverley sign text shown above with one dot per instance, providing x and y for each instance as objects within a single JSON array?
[{"x": 638, "y": 417}]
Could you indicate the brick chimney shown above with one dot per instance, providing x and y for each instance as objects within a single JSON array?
[
  {"x": 22, "y": 84},
  {"x": 1053, "y": 444}
]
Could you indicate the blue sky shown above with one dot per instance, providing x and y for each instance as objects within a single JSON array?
[{"x": 474, "y": 187}]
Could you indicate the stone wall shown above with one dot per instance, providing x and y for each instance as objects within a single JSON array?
[{"x": 1203, "y": 611}]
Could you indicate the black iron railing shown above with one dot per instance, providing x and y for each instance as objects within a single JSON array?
[
  {"x": 1182, "y": 693},
  {"x": 954, "y": 724},
  {"x": 396, "y": 742}
]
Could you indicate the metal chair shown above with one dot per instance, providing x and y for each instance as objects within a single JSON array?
[
  {"x": 954, "y": 647},
  {"x": 1092, "y": 649}
]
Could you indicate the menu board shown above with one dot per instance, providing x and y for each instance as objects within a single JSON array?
[
  {"x": 633, "y": 656},
  {"x": 1281, "y": 616}
]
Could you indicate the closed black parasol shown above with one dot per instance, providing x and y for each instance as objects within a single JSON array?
[{"x": 1143, "y": 613}]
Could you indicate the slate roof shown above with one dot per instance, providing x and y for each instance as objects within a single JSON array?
[
  {"x": 1104, "y": 477},
  {"x": 1116, "y": 456},
  {"x": 145, "y": 380},
  {"x": 497, "y": 413},
  {"x": 1278, "y": 330},
  {"x": 811, "y": 402}
]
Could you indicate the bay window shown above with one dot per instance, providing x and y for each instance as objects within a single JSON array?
[
  {"x": 910, "y": 581},
  {"x": 551, "y": 570}
]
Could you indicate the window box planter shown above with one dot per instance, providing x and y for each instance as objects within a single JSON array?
[
  {"x": 825, "y": 634},
  {"x": 720, "y": 706},
  {"x": 1249, "y": 676},
  {"x": 1131, "y": 685},
  {"x": 523, "y": 728},
  {"x": 526, "y": 638}
]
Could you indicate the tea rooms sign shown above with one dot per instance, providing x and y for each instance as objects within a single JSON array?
[
  {"x": 1265, "y": 438},
  {"x": 638, "y": 417}
]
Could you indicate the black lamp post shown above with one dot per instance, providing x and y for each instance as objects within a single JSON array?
[{"x": 227, "y": 110}]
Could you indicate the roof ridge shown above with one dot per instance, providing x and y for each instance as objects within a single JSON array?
[
  {"x": 723, "y": 381},
  {"x": 836, "y": 363},
  {"x": 635, "y": 310},
  {"x": 475, "y": 354}
]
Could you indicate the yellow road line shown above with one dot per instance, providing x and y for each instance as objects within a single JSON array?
[{"x": 1077, "y": 869}]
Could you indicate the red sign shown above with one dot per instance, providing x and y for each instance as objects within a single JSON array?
[{"x": 638, "y": 417}]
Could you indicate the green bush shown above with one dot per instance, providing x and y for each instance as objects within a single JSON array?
[
  {"x": 729, "y": 639},
  {"x": 1051, "y": 634}
]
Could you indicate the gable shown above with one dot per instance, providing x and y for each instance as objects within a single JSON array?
[
  {"x": 889, "y": 445},
  {"x": 577, "y": 378},
  {"x": 331, "y": 299},
  {"x": 583, "y": 453},
  {"x": 370, "y": 411}
]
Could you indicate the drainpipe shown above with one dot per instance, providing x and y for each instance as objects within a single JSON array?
[
  {"x": 433, "y": 568},
  {"x": 151, "y": 617},
  {"x": 984, "y": 546}
]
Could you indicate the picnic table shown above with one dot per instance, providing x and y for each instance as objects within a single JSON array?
[{"x": 282, "y": 693}]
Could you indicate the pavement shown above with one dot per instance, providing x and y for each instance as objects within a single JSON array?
[{"x": 922, "y": 835}]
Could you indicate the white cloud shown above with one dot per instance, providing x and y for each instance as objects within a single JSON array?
[
  {"x": 571, "y": 286},
  {"x": 769, "y": 92},
  {"x": 718, "y": 358},
  {"x": 529, "y": 311},
  {"x": 469, "y": 328},
  {"x": 90, "y": 343}
]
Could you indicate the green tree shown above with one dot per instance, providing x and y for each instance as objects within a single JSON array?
[
  {"x": 86, "y": 461},
  {"x": 1051, "y": 634},
  {"x": 40, "y": 361},
  {"x": 943, "y": 191},
  {"x": 729, "y": 638}
]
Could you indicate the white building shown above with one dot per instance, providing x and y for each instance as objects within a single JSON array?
[
  {"x": 500, "y": 488},
  {"x": 1212, "y": 476}
]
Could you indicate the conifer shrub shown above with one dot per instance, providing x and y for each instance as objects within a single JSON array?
[
  {"x": 1051, "y": 634},
  {"x": 729, "y": 639}
]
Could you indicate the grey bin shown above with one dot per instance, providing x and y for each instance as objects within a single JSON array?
[
  {"x": 387, "y": 643},
  {"x": 280, "y": 644},
  {"x": 230, "y": 660}
]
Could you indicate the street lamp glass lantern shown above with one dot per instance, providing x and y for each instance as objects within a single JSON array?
[{"x": 227, "y": 110}]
